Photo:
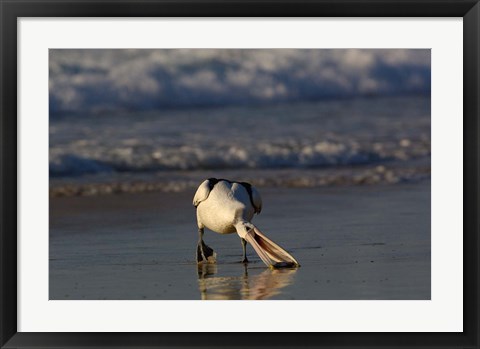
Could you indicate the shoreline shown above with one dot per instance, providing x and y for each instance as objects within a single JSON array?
[
  {"x": 359, "y": 242},
  {"x": 176, "y": 181}
]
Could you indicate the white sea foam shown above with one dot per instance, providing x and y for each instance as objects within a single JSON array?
[
  {"x": 301, "y": 136},
  {"x": 88, "y": 81},
  {"x": 96, "y": 158}
]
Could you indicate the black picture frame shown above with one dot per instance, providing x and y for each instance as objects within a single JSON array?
[{"x": 11, "y": 10}]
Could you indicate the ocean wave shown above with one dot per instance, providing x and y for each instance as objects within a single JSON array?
[
  {"x": 390, "y": 174},
  {"x": 91, "y": 81},
  {"x": 95, "y": 158}
]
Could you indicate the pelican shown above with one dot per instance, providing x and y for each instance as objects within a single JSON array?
[{"x": 227, "y": 207}]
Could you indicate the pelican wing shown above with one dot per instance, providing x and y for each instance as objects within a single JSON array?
[
  {"x": 256, "y": 200},
  {"x": 202, "y": 192},
  {"x": 271, "y": 253}
]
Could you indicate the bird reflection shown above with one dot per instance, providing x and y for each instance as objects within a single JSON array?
[{"x": 261, "y": 286}]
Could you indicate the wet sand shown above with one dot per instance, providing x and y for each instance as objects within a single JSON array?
[{"x": 360, "y": 242}]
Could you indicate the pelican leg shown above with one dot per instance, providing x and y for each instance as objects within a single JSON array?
[
  {"x": 244, "y": 245},
  {"x": 205, "y": 254}
]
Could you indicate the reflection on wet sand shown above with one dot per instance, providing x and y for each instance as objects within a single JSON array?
[{"x": 262, "y": 286}]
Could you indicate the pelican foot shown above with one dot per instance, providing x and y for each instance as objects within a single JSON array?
[
  {"x": 244, "y": 261},
  {"x": 205, "y": 254}
]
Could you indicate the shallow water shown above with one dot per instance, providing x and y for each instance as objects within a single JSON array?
[
  {"x": 281, "y": 145},
  {"x": 352, "y": 242},
  {"x": 300, "y": 135}
]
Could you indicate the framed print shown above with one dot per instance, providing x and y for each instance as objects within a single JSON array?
[{"x": 245, "y": 174}]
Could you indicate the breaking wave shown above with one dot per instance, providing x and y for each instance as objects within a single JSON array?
[
  {"x": 145, "y": 158},
  {"x": 91, "y": 81}
]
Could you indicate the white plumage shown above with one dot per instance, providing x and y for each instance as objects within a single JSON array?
[{"x": 227, "y": 207}]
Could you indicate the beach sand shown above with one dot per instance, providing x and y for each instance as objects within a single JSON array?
[{"x": 353, "y": 242}]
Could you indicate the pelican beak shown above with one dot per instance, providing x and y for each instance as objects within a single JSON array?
[{"x": 271, "y": 254}]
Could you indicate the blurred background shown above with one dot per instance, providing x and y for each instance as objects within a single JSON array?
[{"x": 148, "y": 120}]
